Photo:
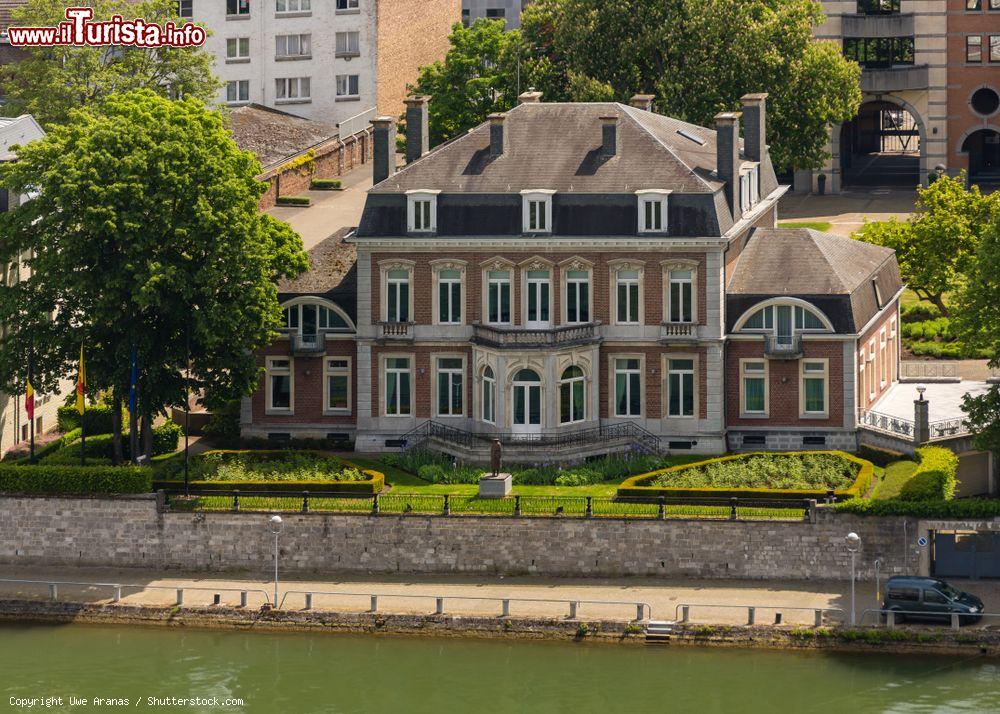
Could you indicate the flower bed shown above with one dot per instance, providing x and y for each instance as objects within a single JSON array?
[{"x": 790, "y": 475}]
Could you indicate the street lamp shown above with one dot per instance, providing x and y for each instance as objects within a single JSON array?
[
  {"x": 920, "y": 391},
  {"x": 853, "y": 542},
  {"x": 275, "y": 525}
]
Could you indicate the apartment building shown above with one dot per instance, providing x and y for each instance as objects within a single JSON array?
[
  {"x": 509, "y": 10},
  {"x": 581, "y": 276},
  {"x": 327, "y": 60}
]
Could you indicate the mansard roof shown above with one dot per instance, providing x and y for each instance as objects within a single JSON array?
[{"x": 557, "y": 146}]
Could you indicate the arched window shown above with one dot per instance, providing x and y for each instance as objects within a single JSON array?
[
  {"x": 310, "y": 318},
  {"x": 784, "y": 319},
  {"x": 572, "y": 396},
  {"x": 489, "y": 396}
]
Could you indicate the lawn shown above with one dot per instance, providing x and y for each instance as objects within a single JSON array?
[
  {"x": 895, "y": 476},
  {"x": 821, "y": 226}
]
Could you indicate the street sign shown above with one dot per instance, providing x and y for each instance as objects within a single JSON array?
[{"x": 922, "y": 542}]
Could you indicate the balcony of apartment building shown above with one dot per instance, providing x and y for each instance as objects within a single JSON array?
[
  {"x": 519, "y": 338},
  {"x": 877, "y": 18},
  {"x": 887, "y": 63}
]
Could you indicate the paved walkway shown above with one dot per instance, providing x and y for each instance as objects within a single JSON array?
[
  {"x": 663, "y": 595},
  {"x": 847, "y": 212},
  {"x": 945, "y": 399}
]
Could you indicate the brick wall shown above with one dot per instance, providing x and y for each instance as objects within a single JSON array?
[
  {"x": 875, "y": 368},
  {"x": 332, "y": 159},
  {"x": 424, "y": 394},
  {"x": 655, "y": 405},
  {"x": 129, "y": 532}
]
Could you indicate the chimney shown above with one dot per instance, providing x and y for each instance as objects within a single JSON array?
[
  {"x": 498, "y": 133},
  {"x": 383, "y": 149},
  {"x": 727, "y": 157},
  {"x": 530, "y": 97},
  {"x": 754, "y": 126},
  {"x": 609, "y": 135},
  {"x": 417, "y": 140},
  {"x": 643, "y": 102}
]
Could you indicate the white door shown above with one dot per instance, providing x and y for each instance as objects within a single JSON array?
[
  {"x": 538, "y": 300},
  {"x": 526, "y": 403}
]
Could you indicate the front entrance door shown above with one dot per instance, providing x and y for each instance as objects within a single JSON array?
[{"x": 526, "y": 407}]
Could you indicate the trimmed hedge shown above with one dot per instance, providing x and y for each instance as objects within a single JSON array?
[
  {"x": 934, "y": 479},
  {"x": 97, "y": 419},
  {"x": 75, "y": 479},
  {"x": 636, "y": 487},
  {"x": 962, "y": 508},
  {"x": 293, "y": 201},
  {"x": 166, "y": 437},
  {"x": 325, "y": 184},
  {"x": 48, "y": 450}
]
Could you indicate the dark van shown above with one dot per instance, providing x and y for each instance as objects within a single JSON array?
[{"x": 930, "y": 599}]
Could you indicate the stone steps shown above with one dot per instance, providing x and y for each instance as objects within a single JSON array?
[{"x": 659, "y": 631}]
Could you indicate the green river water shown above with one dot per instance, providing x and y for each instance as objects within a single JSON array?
[{"x": 296, "y": 672}]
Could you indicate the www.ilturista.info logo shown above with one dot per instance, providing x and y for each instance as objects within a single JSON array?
[{"x": 80, "y": 31}]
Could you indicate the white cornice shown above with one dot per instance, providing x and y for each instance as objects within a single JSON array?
[{"x": 535, "y": 243}]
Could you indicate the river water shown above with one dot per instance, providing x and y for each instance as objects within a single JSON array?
[{"x": 289, "y": 673}]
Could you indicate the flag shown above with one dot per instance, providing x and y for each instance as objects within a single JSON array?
[
  {"x": 133, "y": 386},
  {"x": 81, "y": 383},
  {"x": 29, "y": 401}
]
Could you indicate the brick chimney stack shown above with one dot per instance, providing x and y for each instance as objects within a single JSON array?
[
  {"x": 417, "y": 133},
  {"x": 383, "y": 149},
  {"x": 754, "y": 126},
  {"x": 727, "y": 151}
]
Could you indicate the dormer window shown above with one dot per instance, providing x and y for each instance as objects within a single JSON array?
[
  {"x": 537, "y": 211},
  {"x": 749, "y": 188},
  {"x": 421, "y": 211},
  {"x": 652, "y": 211}
]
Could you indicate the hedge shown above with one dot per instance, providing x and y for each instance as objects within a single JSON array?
[
  {"x": 166, "y": 437},
  {"x": 634, "y": 487},
  {"x": 963, "y": 508},
  {"x": 293, "y": 200},
  {"x": 75, "y": 479},
  {"x": 325, "y": 184},
  {"x": 934, "y": 477},
  {"x": 97, "y": 419},
  {"x": 47, "y": 450}
]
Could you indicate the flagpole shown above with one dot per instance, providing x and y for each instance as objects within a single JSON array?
[
  {"x": 81, "y": 406},
  {"x": 187, "y": 406},
  {"x": 31, "y": 412}
]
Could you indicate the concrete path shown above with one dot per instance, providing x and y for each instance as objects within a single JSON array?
[
  {"x": 663, "y": 595},
  {"x": 847, "y": 211}
]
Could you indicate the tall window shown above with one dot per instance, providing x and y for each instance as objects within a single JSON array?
[
  {"x": 871, "y": 369},
  {"x": 627, "y": 287},
  {"x": 572, "y": 396},
  {"x": 489, "y": 396},
  {"x": 292, "y": 5},
  {"x": 237, "y": 48},
  {"x": 749, "y": 188},
  {"x": 347, "y": 86},
  {"x": 279, "y": 384},
  {"x": 292, "y": 88},
  {"x": 398, "y": 295},
  {"x": 754, "y": 387},
  {"x": 883, "y": 363},
  {"x": 422, "y": 211},
  {"x": 237, "y": 91},
  {"x": 680, "y": 387},
  {"x": 498, "y": 297},
  {"x": 679, "y": 308},
  {"x": 338, "y": 384},
  {"x": 814, "y": 387},
  {"x": 652, "y": 211},
  {"x": 347, "y": 5},
  {"x": 628, "y": 388},
  {"x": 348, "y": 44},
  {"x": 237, "y": 7},
  {"x": 450, "y": 297},
  {"x": 293, "y": 46},
  {"x": 397, "y": 386},
  {"x": 577, "y": 296},
  {"x": 537, "y": 211},
  {"x": 539, "y": 288},
  {"x": 449, "y": 386}
]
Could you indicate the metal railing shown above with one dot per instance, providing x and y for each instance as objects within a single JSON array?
[
  {"x": 682, "y": 613},
  {"x": 948, "y": 429},
  {"x": 955, "y": 620},
  {"x": 886, "y": 423},
  {"x": 118, "y": 588},
  {"x": 643, "y": 610},
  {"x": 526, "y": 338},
  {"x": 457, "y": 505},
  {"x": 302, "y": 344},
  {"x": 783, "y": 346},
  {"x": 357, "y": 123}
]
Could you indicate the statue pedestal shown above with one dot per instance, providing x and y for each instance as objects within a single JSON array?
[{"x": 491, "y": 486}]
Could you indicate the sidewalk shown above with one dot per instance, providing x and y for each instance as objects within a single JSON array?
[{"x": 663, "y": 596}]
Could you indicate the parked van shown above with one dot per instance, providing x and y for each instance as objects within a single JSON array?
[{"x": 930, "y": 599}]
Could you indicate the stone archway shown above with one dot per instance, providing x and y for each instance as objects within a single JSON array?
[
  {"x": 982, "y": 145},
  {"x": 884, "y": 145}
]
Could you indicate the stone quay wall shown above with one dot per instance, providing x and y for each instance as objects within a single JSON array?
[{"x": 134, "y": 532}]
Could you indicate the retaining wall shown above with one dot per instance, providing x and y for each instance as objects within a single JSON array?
[{"x": 132, "y": 532}]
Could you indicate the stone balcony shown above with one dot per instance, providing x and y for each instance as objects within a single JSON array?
[
  {"x": 396, "y": 331},
  {"x": 678, "y": 332},
  {"x": 307, "y": 345},
  {"x": 894, "y": 79},
  {"x": 783, "y": 347},
  {"x": 521, "y": 338}
]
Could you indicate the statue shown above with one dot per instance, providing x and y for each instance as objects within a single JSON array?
[{"x": 495, "y": 452}]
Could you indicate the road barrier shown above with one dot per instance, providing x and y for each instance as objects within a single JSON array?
[{"x": 682, "y": 613}]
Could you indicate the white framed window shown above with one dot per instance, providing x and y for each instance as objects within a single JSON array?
[
  {"x": 347, "y": 86},
  {"x": 292, "y": 89},
  {"x": 628, "y": 295},
  {"x": 308, "y": 318},
  {"x": 893, "y": 367},
  {"x": 749, "y": 188},
  {"x": 292, "y": 46},
  {"x": 680, "y": 387},
  {"x": 814, "y": 387},
  {"x": 627, "y": 379},
  {"x": 784, "y": 317},
  {"x": 280, "y": 385},
  {"x": 536, "y": 211},
  {"x": 347, "y": 5},
  {"x": 652, "y": 211},
  {"x": 754, "y": 389},
  {"x": 489, "y": 396},
  {"x": 861, "y": 377},
  {"x": 449, "y": 296},
  {"x": 538, "y": 298},
  {"x": 238, "y": 91},
  {"x": 871, "y": 369},
  {"x": 883, "y": 363},
  {"x": 237, "y": 8},
  {"x": 337, "y": 385},
  {"x": 572, "y": 396},
  {"x": 397, "y": 295},
  {"x": 680, "y": 294},
  {"x": 577, "y": 296},
  {"x": 348, "y": 44},
  {"x": 421, "y": 211},
  {"x": 450, "y": 395},
  {"x": 185, "y": 9},
  {"x": 237, "y": 48},
  {"x": 397, "y": 379},
  {"x": 283, "y": 6},
  {"x": 498, "y": 297}
]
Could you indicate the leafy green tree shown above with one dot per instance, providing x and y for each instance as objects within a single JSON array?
[
  {"x": 937, "y": 245},
  {"x": 144, "y": 234},
  {"x": 983, "y": 417},
  {"x": 53, "y": 80}
]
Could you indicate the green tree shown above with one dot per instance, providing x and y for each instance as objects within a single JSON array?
[
  {"x": 937, "y": 245},
  {"x": 53, "y": 80},
  {"x": 144, "y": 234},
  {"x": 983, "y": 418}
]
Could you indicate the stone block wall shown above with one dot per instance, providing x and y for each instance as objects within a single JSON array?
[
  {"x": 332, "y": 159},
  {"x": 131, "y": 532}
]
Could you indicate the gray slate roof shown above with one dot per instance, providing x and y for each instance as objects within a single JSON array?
[
  {"x": 272, "y": 135},
  {"x": 556, "y": 146},
  {"x": 332, "y": 273}
]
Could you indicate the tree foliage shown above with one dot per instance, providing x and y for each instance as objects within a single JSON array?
[
  {"x": 144, "y": 232},
  {"x": 937, "y": 244},
  {"x": 53, "y": 80},
  {"x": 983, "y": 417}
]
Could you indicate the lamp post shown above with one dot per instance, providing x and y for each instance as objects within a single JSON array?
[
  {"x": 853, "y": 542},
  {"x": 275, "y": 525}
]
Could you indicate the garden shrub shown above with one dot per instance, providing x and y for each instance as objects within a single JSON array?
[
  {"x": 97, "y": 419},
  {"x": 962, "y": 508},
  {"x": 879, "y": 457},
  {"x": 293, "y": 201},
  {"x": 934, "y": 477},
  {"x": 44, "y": 478},
  {"x": 21, "y": 453},
  {"x": 166, "y": 438},
  {"x": 322, "y": 184}
]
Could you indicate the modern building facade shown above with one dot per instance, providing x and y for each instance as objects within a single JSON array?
[
  {"x": 509, "y": 10},
  {"x": 327, "y": 60},
  {"x": 586, "y": 275}
]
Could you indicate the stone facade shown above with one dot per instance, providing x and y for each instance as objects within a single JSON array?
[{"x": 130, "y": 532}]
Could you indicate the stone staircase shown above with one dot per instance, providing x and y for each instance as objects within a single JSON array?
[{"x": 658, "y": 632}]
